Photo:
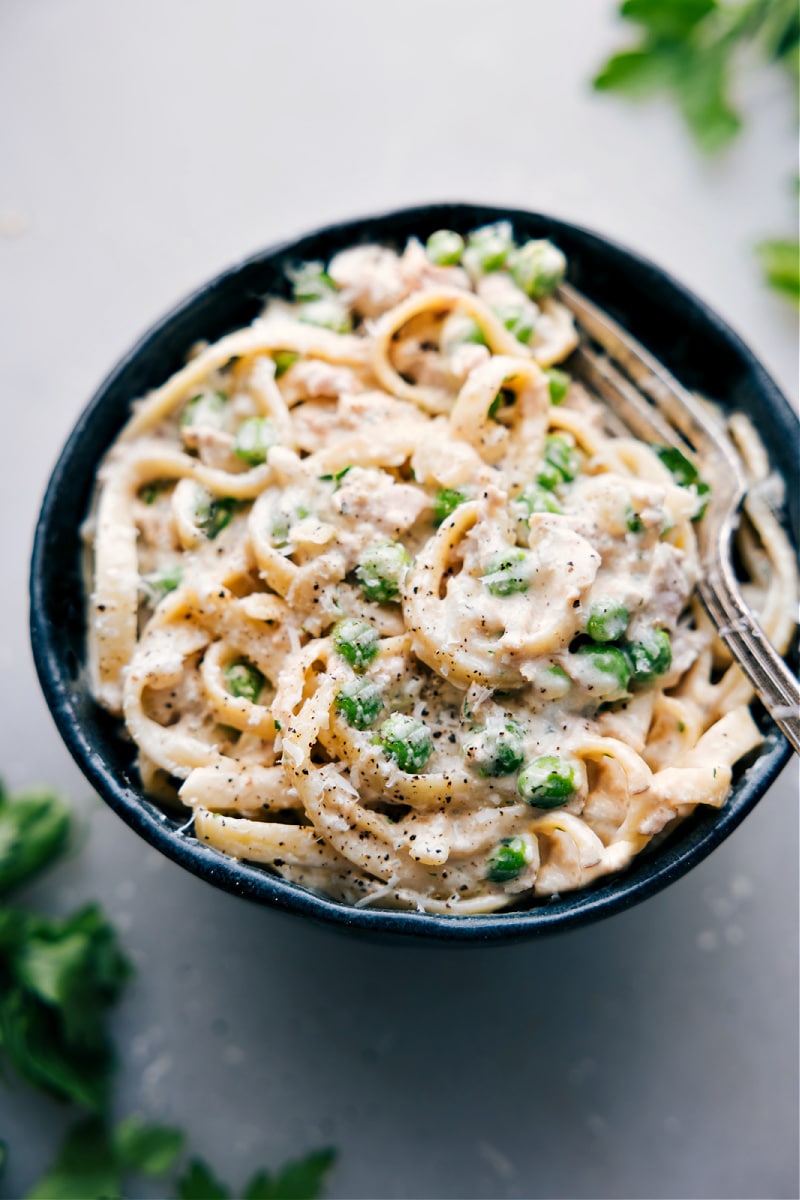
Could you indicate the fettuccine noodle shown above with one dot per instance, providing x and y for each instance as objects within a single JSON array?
[{"x": 386, "y": 606}]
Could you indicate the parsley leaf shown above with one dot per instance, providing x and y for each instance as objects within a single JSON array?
[
  {"x": 302, "y": 1179},
  {"x": 782, "y": 31},
  {"x": 199, "y": 1183},
  {"x": 145, "y": 1147},
  {"x": 92, "y": 1160},
  {"x": 780, "y": 261},
  {"x": 34, "y": 825},
  {"x": 689, "y": 48},
  {"x": 702, "y": 96},
  {"x": 638, "y": 72},
  {"x": 86, "y": 1167},
  {"x": 58, "y": 977},
  {"x": 672, "y": 19}
]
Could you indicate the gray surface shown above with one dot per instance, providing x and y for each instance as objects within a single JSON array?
[{"x": 143, "y": 146}]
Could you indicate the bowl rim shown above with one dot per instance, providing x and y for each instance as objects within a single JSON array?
[{"x": 663, "y": 866}]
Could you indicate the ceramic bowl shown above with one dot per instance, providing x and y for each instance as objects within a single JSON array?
[{"x": 693, "y": 342}]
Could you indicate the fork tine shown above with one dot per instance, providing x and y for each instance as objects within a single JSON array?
[
  {"x": 682, "y": 409},
  {"x": 642, "y": 395},
  {"x": 634, "y": 413}
]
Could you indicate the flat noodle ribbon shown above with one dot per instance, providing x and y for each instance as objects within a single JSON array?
[{"x": 300, "y": 550}]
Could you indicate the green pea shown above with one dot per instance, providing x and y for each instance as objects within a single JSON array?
[
  {"x": 445, "y": 247},
  {"x": 206, "y": 408},
  {"x": 608, "y": 672},
  {"x": 356, "y": 641},
  {"x": 381, "y": 570},
  {"x": 517, "y": 320},
  {"x": 549, "y": 477},
  {"x": 533, "y": 499},
  {"x": 311, "y": 282},
  {"x": 254, "y": 439},
  {"x": 160, "y": 583},
  {"x": 685, "y": 474},
  {"x": 508, "y": 859},
  {"x": 359, "y": 702},
  {"x": 650, "y": 657},
  {"x": 327, "y": 313},
  {"x": 558, "y": 383},
  {"x": 633, "y": 521},
  {"x": 508, "y": 572},
  {"x": 283, "y": 360},
  {"x": 213, "y": 514},
  {"x": 538, "y": 267},
  {"x": 607, "y": 621},
  {"x": 547, "y": 782},
  {"x": 406, "y": 740},
  {"x": 244, "y": 680},
  {"x": 488, "y": 248},
  {"x": 552, "y": 682},
  {"x": 495, "y": 752},
  {"x": 445, "y": 502},
  {"x": 558, "y": 453},
  {"x": 459, "y": 329}
]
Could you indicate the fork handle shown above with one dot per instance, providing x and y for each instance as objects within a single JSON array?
[{"x": 777, "y": 688}]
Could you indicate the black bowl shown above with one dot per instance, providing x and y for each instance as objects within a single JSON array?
[{"x": 698, "y": 347}]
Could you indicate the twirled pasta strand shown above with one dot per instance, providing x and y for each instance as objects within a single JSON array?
[{"x": 229, "y": 672}]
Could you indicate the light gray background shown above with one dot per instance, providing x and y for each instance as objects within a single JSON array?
[{"x": 145, "y": 145}]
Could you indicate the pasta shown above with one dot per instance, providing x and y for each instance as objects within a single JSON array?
[{"x": 388, "y": 608}]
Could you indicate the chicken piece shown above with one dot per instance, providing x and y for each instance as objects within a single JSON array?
[
  {"x": 314, "y": 378},
  {"x": 687, "y": 645},
  {"x": 441, "y": 460},
  {"x": 377, "y": 408},
  {"x": 466, "y": 358},
  {"x": 374, "y": 279},
  {"x": 630, "y": 724},
  {"x": 156, "y": 527},
  {"x": 418, "y": 271},
  {"x": 317, "y": 424},
  {"x": 498, "y": 290},
  {"x": 373, "y": 498},
  {"x": 370, "y": 279},
  {"x": 667, "y": 590},
  {"x": 423, "y": 365},
  {"x": 214, "y": 447}
]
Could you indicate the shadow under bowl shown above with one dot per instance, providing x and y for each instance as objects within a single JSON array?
[{"x": 677, "y": 327}]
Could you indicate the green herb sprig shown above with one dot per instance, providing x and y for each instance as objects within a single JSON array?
[
  {"x": 302, "y": 1179},
  {"x": 59, "y": 978},
  {"x": 94, "y": 1160},
  {"x": 692, "y": 50}
]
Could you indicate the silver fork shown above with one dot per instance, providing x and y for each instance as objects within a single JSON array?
[{"x": 651, "y": 404}]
